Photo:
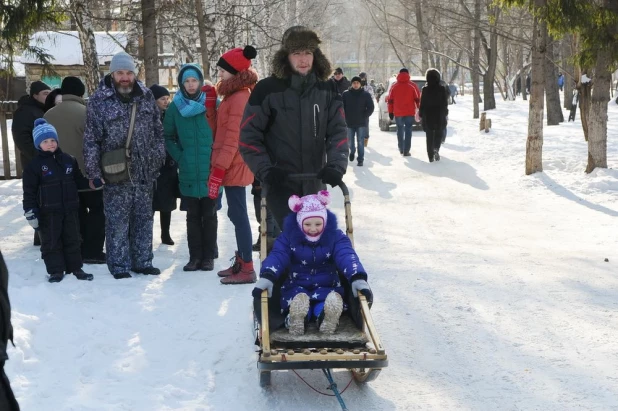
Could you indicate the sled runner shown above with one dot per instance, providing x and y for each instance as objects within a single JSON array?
[{"x": 355, "y": 346}]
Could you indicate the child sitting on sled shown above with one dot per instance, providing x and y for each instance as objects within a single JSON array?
[{"x": 313, "y": 251}]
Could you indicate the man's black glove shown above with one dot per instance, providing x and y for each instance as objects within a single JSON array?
[
  {"x": 391, "y": 116},
  {"x": 275, "y": 176},
  {"x": 330, "y": 175}
]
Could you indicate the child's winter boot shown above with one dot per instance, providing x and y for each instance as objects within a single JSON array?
[
  {"x": 245, "y": 275},
  {"x": 299, "y": 307},
  {"x": 81, "y": 275},
  {"x": 333, "y": 307}
]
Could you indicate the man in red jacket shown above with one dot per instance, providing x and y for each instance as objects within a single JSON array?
[{"x": 403, "y": 101}]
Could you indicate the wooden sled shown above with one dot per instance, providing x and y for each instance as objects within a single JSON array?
[{"x": 355, "y": 346}]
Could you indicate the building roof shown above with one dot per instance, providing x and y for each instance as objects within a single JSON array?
[{"x": 66, "y": 50}]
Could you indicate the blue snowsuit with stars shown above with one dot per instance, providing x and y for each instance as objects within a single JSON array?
[{"x": 312, "y": 267}]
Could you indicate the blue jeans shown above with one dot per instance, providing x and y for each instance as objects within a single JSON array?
[
  {"x": 404, "y": 143},
  {"x": 361, "y": 133},
  {"x": 237, "y": 212}
]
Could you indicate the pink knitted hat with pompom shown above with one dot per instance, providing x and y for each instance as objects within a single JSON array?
[{"x": 313, "y": 205}]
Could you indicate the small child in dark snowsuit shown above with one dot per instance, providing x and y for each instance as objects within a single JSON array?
[
  {"x": 51, "y": 203},
  {"x": 313, "y": 251}
]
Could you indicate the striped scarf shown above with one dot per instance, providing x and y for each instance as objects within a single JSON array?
[{"x": 190, "y": 108}]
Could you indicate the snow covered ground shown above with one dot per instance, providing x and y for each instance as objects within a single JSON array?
[{"x": 491, "y": 292}]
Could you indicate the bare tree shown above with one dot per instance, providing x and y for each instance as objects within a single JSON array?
[
  {"x": 82, "y": 17},
  {"x": 476, "y": 58},
  {"x": 552, "y": 94},
  {"x": 151, "y": 49},
  {"x": 534, "y": 143},
  {"x": 597, "y": 121}
]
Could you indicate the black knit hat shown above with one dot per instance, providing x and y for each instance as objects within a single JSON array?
[
  {"x": 356, "y": 78},
  {"x": 404, "y": 70},
  {"x": 37, "y": 86},
  {"x": 159, "y": 91},
  {"x": 72, "y": 85}
]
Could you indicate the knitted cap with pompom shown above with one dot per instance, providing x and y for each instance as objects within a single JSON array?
[
  {"x": 42, "y": 131},
  {"x": 313, "y": 205},
  {"x": 237, "y": 59}
]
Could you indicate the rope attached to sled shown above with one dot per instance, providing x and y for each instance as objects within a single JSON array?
[{"x": 319, "y": 392}]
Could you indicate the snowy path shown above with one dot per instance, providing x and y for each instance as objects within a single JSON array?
[{"x": 491, "y": 293}]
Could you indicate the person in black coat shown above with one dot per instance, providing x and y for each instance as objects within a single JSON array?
[
  {"x": 340, "y": 81},
  {"x": 358, "y": 107},
  {"x": 29, "y": 108},
  {"x": 7, "y": 398},
  {"x": 167, "y": 189},
  {"x": 51, "y": 203},
  {"x": 433, "y": 112},
  {"x": 53, "y": 99}
]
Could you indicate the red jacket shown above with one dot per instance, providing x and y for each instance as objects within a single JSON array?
[
  {"x": 225, "y": 155},
  {"x": 404, "y": 97}
]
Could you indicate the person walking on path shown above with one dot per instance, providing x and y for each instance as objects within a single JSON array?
[
  {"x": 433, "y": 112},
  {"x": 166, "y": 192},
  {"x": 189, "y": 138},
  {"x": 403, "y": 100},
  {"x": 358, "y": 107},
  {"x": 294, "y": 123},
  {"x": 127, "y": 201},
  {"x": 228, "y": 169},
  {"x": 340, "y": 80},
  {"x": 69, "y": 119}
]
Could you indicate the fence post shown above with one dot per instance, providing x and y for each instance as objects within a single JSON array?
[{"x": 5, "y": 146}]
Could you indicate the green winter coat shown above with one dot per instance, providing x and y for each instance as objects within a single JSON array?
[{"x": 189, "y": 141}]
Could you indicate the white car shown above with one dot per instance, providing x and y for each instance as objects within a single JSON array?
[{"x": 386, "y": 122}]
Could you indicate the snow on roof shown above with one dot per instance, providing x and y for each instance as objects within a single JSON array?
[
  {"x": 18, "y": 68},
  {"x": 66, "y": 50}
]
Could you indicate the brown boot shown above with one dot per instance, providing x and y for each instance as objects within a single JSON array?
[
  {"x": 233, "y": 269},
  {"x": 245, "y": 275}
]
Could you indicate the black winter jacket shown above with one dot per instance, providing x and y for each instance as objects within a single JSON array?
[
  {"x": 297, "y": 124},
  {"x": 434, "y": 107},
  {"x": 358, "y": 106},
  {"x": 51, "y": 182},
  {"x": 23, "y": 124},
  {"x": 341, "y": 85}
]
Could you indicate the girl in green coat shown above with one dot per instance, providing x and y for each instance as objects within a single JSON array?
[{"x": 188, "y": 139}]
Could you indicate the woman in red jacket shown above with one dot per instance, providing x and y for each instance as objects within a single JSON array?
[
  {"x": 403, "y": 100},
  {"x": 228, "y": 169}
]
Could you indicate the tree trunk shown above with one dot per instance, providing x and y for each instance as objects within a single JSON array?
[
  {"x": 552, "y": 93},
  {"x": 83, "y": 21},
  {"x": 151, "y": 50},
  {"x": 597, "y": 121},
  {"x": 476, "y": 58},
  {"x": 422, "y": 36},
  {"x": 522, "y": 74},
  {"x": 534, "y": 143},
  {"x": 585, "y": 92},
  {"x": 489, "y": 98},
  {"x": 569, "y": 71},
  {"x": 201, "y": 27}
]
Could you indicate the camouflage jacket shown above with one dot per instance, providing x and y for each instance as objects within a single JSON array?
[{"x": 107, "y": 126}]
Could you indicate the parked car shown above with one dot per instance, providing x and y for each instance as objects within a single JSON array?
[{"x": 386, "y": 122}]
